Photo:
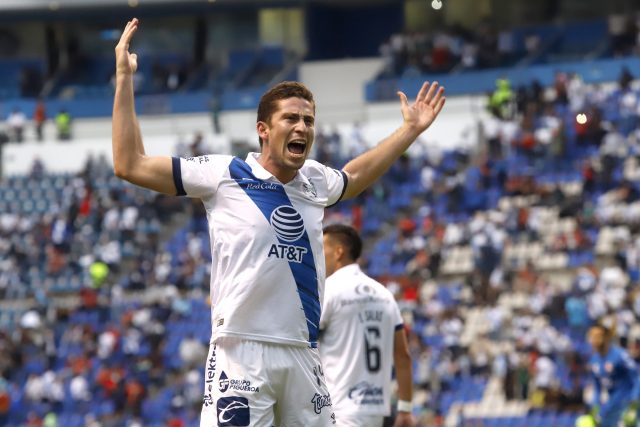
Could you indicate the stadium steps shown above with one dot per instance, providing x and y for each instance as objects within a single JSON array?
[{"x": 475, "y": 323}]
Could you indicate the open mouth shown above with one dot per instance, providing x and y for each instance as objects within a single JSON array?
[{"x": 297, "y": 147}]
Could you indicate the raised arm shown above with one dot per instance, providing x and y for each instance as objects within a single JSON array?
[
  {"x": 371, "y": 165},
  {"x": 129, "y": 159}
]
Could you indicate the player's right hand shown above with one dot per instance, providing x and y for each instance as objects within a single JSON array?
[{"x": 126, "y": 63}]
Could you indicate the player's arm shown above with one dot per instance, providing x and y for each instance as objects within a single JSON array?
[
  {"x": 371, "y": 165},
  {"x": 129, "y": 159},
  {"x": 402, "y": 363}
]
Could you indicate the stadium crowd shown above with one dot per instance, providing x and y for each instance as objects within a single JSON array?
[
  {"x": 410, "y": 54},
  {"x": 501, "y": 258}
]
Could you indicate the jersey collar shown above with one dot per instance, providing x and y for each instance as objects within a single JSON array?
[
  {"x": 263, "y": 174},
  {"x": 350, "y": 269}
]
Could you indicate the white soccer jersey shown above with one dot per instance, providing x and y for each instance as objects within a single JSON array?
[
  {"x": 358, "y": 324},
  {"x": 267, "y": 274}
]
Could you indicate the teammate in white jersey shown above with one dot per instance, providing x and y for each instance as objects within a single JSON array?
[
  {"x": 362, "y": 337},
  {"x": 265, "y": 217}
]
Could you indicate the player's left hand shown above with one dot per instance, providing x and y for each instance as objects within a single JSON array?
[
  {"x": 404, "y": 419},
  {"x": 426, "y": 107}
]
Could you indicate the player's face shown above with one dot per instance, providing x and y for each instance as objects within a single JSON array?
[
  {"x": 331, "y": 255},
  {"x": 597, "y": 338},
  {"x": 287, "y": 138}
]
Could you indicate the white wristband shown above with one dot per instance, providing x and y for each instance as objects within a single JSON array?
[{"x": 404, "y": 406}]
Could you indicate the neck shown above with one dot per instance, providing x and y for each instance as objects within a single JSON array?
[
  {"x": 341, "y": 264},
  {"x": 604, "y": 349},
  {"x": 282, "y": 174}
]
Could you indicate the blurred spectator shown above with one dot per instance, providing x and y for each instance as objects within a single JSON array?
[
  {"x": 544, "y": 378},
  {"x": 99, "y": 271},
  {"x": 16, "y": 122},
  {"x": 216, "y": 108},
  {"x": 50, "y": 420},
  {"x": 39, "y": 118},
  {"x": 63, "y": 125},
  {"x": 198, "y": 146},
  {"x": 622, "y": 33},
  {"x": 79, "y": 389},
  {"x": 578, "y": 315},
  {"x": 5, "y": 401},
  {"x": 192, "y": 352},
  {"x": 175, "y": 77},
  {"x": 37, "y": 168},
  {"x": 501, "y": 100},
  {"x": 135, "y": 393}
]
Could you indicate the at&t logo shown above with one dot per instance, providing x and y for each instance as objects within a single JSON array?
[{"x": 288, "y": 225}]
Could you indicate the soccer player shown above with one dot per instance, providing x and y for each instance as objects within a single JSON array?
[
  {"x": 362, "y": 336},
  {"x": 265, "y": 219},
  {"x": 612, "y": 371}
]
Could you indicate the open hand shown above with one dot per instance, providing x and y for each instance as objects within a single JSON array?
[
  {"x": 426, "y": 107},
  {"x": 126, "y": 63}
]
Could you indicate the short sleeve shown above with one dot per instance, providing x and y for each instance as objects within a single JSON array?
[
  {"x": 334, "y": 181},
  {"x": 336, "y": 185},
  {"x": 398, "y": 321},
  {"x": 199, "y": 176}
]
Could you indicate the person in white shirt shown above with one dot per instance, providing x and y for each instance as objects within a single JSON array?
[
  {"x": 17, "y": 121},
  {"x": 265, "y": 217},
  {"x": 362, "y": 337}
]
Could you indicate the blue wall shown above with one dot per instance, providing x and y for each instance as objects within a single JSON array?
[
  {"x": 484, "y": 81},
  {"x": 342, "y": 31},
  {"x": 102, "y": 107}
]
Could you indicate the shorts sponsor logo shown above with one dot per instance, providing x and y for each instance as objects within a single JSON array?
[
  {"x": 207, "y": 400},
  {"x": 209, "y": 378},
  {"x": 320, "y": 401},
  {"x": 225, "y": 383},
  {"x": 365, "y": 393},
  {"x": 233, "y": 411}
]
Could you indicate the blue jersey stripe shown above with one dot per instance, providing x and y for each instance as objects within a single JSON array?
[{"x": 272, "y": 200}]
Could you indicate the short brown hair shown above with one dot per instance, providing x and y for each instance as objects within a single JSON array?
[
  {"x": 284, "y": 90},
  {"x": 348, "y": 237}
]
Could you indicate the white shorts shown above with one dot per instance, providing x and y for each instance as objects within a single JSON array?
[
  {"x": 261, "y": 384},
  {"x": 359, "y": 420}
]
